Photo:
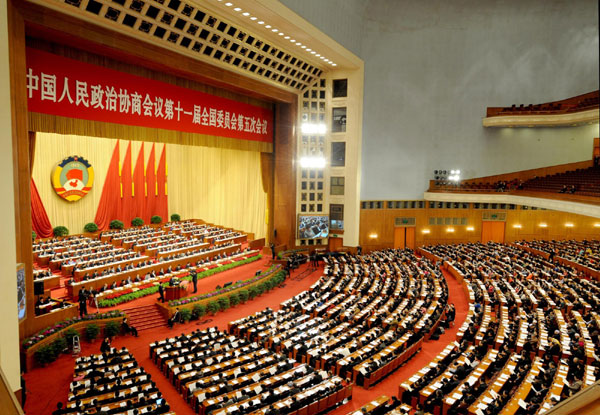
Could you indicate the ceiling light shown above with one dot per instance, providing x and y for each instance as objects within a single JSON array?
[
  {"x": 237, "y": 9},
  {"x": 318, "y": 54},
  {"x": 322, "y": 57},
  {"x": 275, "y": 30},
  {"x": 253, "y": 18},
  {"x": 308, "y": 49},
  {"x": 313, "y": 162},
  {"x": 293, "y": 40},
  {"x": 268, "y": 26},
  {"x": 298, "y": 43},
  {"x": 313, "y": 52},
  {"x": 228, "y": 4},
  {"x": 287, "y": 37},
  {"x": 303, "y": 47},
  {"x": 334, "y": 64},
  {"x": 280, "y": 33},
  {"x": 260, "y": 22},
  {"x": 245, "y": 14}
]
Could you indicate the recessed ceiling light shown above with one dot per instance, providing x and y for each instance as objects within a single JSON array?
[
  {"x": 318, "y": 54},
  {"x": 260, "y": 22},
  {"x": 326, "y": 60},
  {"x": 237, "y": 9},
  {"x": 303, "y": 47},
  {"x": 293, "y": 40},
  {"x": 313, "y": 52},
  {"x": 275, "y": 30},
  {"x": 268, "y": 26},
  {"x": 280, "y": 33},
  {"x": 246, "y": 14},
  {"x": 253, "y": 18},
  {"x": 334, "y": 64},
  {"x": 308, "y": 49},
  {"x": 322, "y": 57},
  {"x": 228, "y": 4},
  {"x": 287, "y": 37}
]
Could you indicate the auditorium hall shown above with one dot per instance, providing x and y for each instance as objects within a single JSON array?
[{"x": 300, "y": 207}]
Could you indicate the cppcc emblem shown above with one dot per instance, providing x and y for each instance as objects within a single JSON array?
[{"x": 73, "y": 178}]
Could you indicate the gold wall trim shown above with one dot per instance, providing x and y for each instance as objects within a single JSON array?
[{"x": 558, "y": 120}]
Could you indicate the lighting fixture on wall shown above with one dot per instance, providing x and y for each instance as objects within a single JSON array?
[
  {"x": 450, "y": 230},
  {"x": 310, "y": 128},
  {"x": 517, "y": 226},
  {"x": 597, "y": 225},
  {"x": 470, "y": 228},
  {"x": 543, "y": 225},
  {"x": 569, "y": 225},
  {"x": 426, "y": 231},
  {"x": 373, "y": 236},
  {"x": 313, "y": 162}
]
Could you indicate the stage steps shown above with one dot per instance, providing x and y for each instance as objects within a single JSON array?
[{"x": 145, "y": 317}]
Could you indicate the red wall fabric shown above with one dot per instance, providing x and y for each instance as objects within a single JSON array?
[
  {"x": 139, "y": 192},
  {"x": 151, "y": 195},
  {"x": 162, "y": 208},
  {"x": 109, "y": 207},
  {"x": 39, "y": 218},
  {"x": 126, "y": 192}
]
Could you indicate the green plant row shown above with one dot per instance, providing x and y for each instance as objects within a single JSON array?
[
  {"x": 64, "y": 343},
  {"x": 154, "y": 289},
  {"x": 231, "y": 300}
]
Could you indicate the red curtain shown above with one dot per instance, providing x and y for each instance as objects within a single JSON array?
[
  {"x": 39, "y": 219},
  {"x": 150, "y": 187},
  {"x": 139, "y": 187},
  {"x": 109, "y": 207},
  {"x": 126, "y": 189},
  {"x": 162, "y": 208}
]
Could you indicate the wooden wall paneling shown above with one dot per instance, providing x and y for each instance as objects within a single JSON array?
[
  {"x": 20, "y": 135},
  {"x": 63, "y": 29},
  {"x": 284, "y": 194},
  {"x": 380, "y": 222}
]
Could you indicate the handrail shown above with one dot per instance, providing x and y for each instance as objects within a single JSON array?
[
  {"x": 9, "y": 405},
  {"x": 584, "y": 402}
]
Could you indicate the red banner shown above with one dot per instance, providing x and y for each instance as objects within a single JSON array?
[{"x": 69, "y": 88}]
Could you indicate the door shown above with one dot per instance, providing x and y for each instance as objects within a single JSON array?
[
  {"x": 404, "y": 237},
  {"x": 492, "y": 231},
  {"x": 399, "y": 238}
]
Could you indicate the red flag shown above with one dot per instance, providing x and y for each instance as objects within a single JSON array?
[
  {"x": 109, "y": 206},
  {"x": 126, "y": 189},
  {"x": 162, "y": 208},
  {"x": 139, "y": 186},
  {"x": 151, "y": 190}
]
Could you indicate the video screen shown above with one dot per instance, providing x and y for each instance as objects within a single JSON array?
[
  {"x": 21, "y": 296},
  {"x": 313, "y": 227}
]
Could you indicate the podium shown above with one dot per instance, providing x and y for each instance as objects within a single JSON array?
[{"x": 176, "y": 292}]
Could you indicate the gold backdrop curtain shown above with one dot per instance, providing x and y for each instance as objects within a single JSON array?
[{"x": 217, "y": 185}]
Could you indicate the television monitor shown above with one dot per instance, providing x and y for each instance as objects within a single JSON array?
[
  {"x": 313, "y": 226},
  {"x": 21, "y": 294}
]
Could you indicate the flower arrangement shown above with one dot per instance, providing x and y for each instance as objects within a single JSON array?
[
  {"x": 129, "y": 294},
  {"x": 275, "y": 274},
  {"x": 58, "y": 327}
]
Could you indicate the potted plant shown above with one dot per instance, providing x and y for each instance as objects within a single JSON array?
[
  {"x": 198, "y": 311},
  {"x": 91, "y": 332},
  {"x": 33, "y": 235},
  {"x": 223, "y": 303},
  {"x": 186, "y": 314},
  {"x": 137, "y": 222},
  {"x": 59, "y": 346},
  {"x": 244, "y": 296},
  {"x": 175, "y": 217},
  {"x": 90, "y": 228},
  {"x": 234, "y": 299},
  {"x": 60, "y": 231},
  {"x": 112, "y": 328},
  {"x": 44, "y": 355},
  {"x": 156, "y": 220},
  {"x": 213, "y": 307},
  {"x": 116, "y": 224},
  {"x": 253, "y": 292}
]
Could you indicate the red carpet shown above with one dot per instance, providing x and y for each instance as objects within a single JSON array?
[{"x": 49, "y": 385}]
